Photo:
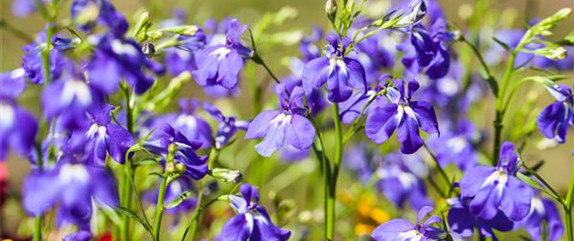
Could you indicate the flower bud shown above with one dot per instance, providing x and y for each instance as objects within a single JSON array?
[
  {"x": 170, "y": 168},
  {"x": 148, "y": 49},
  {"x": 552, "y": 52},
  {"x": 331, "y": 9},
  {"x": 180, "y": 168},
  {"x": 418, "y": 11},
  {"x": 226, "y": 175}
]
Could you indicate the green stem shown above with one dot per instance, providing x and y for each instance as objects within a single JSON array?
[
  {"x": 38, "y": 229},
  {"x": 441, "y": 171},
  {"x": 568, "y": 206},
  {"x": 159, "y": 208},
  {"x": 194, "y": 222},
  {"x": 332, "y": 189},
  {"x": 257, "y": 59},
  {"x": 498, "y": 126}
]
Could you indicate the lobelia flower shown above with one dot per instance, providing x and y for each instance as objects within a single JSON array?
[
  {"x": 165, "y": 135},
  {"x": 457, "y": 145},
  {"x": 115, "y": 59},
  {"x": 100, "y": 138},
  {"x": 18, "y": 127},
  {"x": 340, "y": 73},
  {"x": 252, "y": 221},
  {"x": 228, "y": 126},
  {"x": 351, "y": 109},
  {"x": 309, "y": 44},
  {"x": 32, "y": 61},
  {"x": 70, "y": 185},
  {"x": 193, "y": 127},
  {"x": 403, "y": 230},
  {"x": 287, "y": 126},
  {"x": 555, "y": 119},
  {"x": 497, "y": 188},
  {"x": 315, "y": 99},
  {"x": 463, "y": 222},
  {"x": 86, "y": 13},
  {"x": 70, "y": 98},
  {"x": 182, "y": 57},
  {"x": 81, "y": 235},
  {"x": 401, "y": 180},
  {"x": 23, "y": 8},
  {"x": 403, "y": 115},
  {"x": 543, "y": 211},
  {"x": 220, "y": 65},
  {"x": 427, "y": 49},
  {"x": 362, "y": 161}
]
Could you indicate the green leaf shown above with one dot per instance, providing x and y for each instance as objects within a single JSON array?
[
  {"x": 184, "y": 196},
  {"x": 535, "y": 184},
  {"x": 493, "y": 85},
  {"x": 504, "y": 45},
  {"x": 129, "y": 213}
]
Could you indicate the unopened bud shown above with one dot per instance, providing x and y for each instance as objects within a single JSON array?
[
  {"x": 226, "y": 175},
  {"x": 190, "y": 30},
  {"x": 180, "y": 168},
  {"x": 331, "y": 9},
  {"x": 418, "y": 11},
  {"x": 148, "y": 49},
  {"x": 553, "y": 53},
  {"x": 170, "y": 168}
]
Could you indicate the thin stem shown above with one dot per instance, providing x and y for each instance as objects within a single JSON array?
[
  {"x": 159, "y": 209},
  {"x": 129, "y": 111},
  {"x": 441, "y": 171},
  {"x": 479, "y": 56},
  {"x": 16, "y": 32},
  {"x": 257, "y": 59},
  {"x": 498, "y": 126},
  {"x": 567, "y": 204},
  {"x": 330, "y": 229},
  {"x": 194, "y": 222}
]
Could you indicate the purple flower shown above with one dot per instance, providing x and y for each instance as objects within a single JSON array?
[
  {"x": 401, "y": 180},
  {"x": 362, "y": 161},
  {"x": 71, "y": 186},
  {"x": 309, "y": 44},
  {"x": 403, "y": 115},
  {"x": 116, "y": 59},
  {"x": 70, "y": 98},
  {"x": 32, "y": 61},
  {"x": 220, "y": 65},
  {"x": 23, "y": 8},
  {"x": 315, "y": 99},
  {"x": 351, "y": 109},
  {"x": 456, "y": 145},
  {"x": 18, "y": 127},
  {"x": 252, "y": 221},
  {"x": 340, "y": 73},
  {"x": 555, "y": 119},
  {"x": 193, "y": 127},
  {"x": 163, "y": 136},
  {"x": 182, "y": 58},
  {"x": 497, "y": 188},
  {"x": 403, "y": 230},
  {"x": 228, "y": 126},
  {"x": 287, "y": 126},
  {"x": 428, "y": 50},
  {"x": 86, "y": 13},
  {"x": 81, "y": 235},
  {"x": 543, "y": 211},
  {"x": 100, "y": 137},
  {"x": 463, "y": 222}
]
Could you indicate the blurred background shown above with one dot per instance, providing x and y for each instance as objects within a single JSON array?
[{"x": 310, "y": 13}]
